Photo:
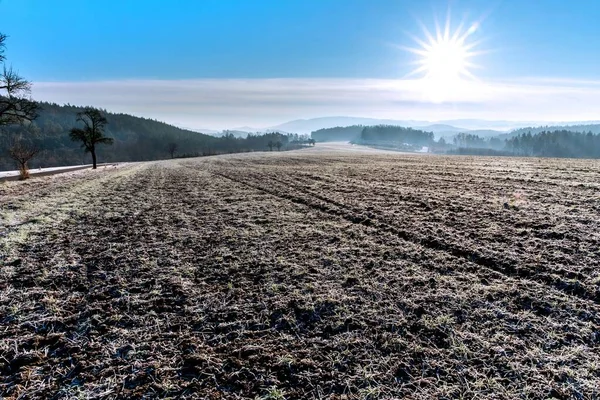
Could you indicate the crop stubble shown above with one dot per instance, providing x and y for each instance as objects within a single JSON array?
[{"x": 304, "y": 275}]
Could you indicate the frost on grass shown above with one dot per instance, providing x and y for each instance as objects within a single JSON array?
[{"x": 321, "y": 275}]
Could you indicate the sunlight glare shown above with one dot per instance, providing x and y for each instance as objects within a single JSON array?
[{"x": 444, "y": 60}]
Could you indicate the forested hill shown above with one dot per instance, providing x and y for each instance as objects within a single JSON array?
[
  {"x": 395, "y": 137},
  {"x": 559, "y": 143},
  {"x": 135, "y": 139},
  {"x": 375, "y": 135},
  {"x": 594, "y": 128},
  {"x": 337, "y": 134}
]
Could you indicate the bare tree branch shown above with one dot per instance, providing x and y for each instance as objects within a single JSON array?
[
  {"x": 16, "y": 105},
  {"x": 92, "y": 134},
  {"x": 22, "y": 153},
  {"x": 2, "y": 46}
]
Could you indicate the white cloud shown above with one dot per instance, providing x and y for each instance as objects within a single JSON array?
[{"x": 226, "y": 103}]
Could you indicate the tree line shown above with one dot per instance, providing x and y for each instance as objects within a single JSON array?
[
  {"x": 540, "y": 142},
  {"x": 390, "y": 135},
  {"x": 378, "y": 135},
  {"x": 594, "y": 128},
  {"x": 337, "y": 134},
  {"x": 395, "y": 136},
  {"x": 59, "y": 131},
  {"x": 544, "y": 143},
  {"x": 558, "y": 143}
]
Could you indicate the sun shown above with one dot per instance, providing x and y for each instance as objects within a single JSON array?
[{"x": 445, "y": 59}]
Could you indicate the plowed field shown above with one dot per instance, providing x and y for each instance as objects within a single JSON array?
[{"x": 304, "y": 275}]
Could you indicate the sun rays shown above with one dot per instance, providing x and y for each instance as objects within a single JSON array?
[{"x": 445, "y": 58}]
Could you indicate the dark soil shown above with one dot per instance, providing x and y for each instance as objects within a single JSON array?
[{"x": 304, "y": 276}]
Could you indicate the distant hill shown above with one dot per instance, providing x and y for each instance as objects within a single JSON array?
[
  {"x": 441, "y": 128},
  {"x": 313, "y": 124},
  {"x": 395, "y": 136},
  {"x": 202, "y": 130},
  {"x": 482, "y": 124},
  {"x": 337, "y": 134},
  {"x": 486, "y": 133},
  {"x": 581, "y": 128},
  {"x": 135, "y": 139},
  {"x": 235, "y": 133},
  {"x": 572, "y": 143},
  {"x": 445, "y": 129},
  {"x": 329, "y": 128},
  {"x": 374, "y": 134},
  {"x": 349, "y": 133},
  {"x": 449, "y": 131}
]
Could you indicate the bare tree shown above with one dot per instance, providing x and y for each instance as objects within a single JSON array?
[
  {"x": 22, "y": 153},
  {"x": 92, "y": 134},
  {"x": 15, "y": 104},
  {"x": 172, "y": 148}
]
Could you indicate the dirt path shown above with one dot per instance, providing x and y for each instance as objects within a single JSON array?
[{"x": 314, "y": 274}]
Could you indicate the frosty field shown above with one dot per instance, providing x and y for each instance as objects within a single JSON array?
[{"x": 311, "y": 274}]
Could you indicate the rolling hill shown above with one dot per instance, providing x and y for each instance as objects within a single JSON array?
[{"x": 135, "y": 139}]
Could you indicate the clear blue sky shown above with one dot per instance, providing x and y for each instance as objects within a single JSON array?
[
  {"x": 183, "y": 39},
  {"x": 211, "y": 63}
]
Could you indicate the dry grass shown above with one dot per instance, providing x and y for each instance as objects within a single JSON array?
[{"x": 305, "y": 275}]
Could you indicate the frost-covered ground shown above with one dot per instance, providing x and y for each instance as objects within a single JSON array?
[
  {"x": 37, "y": 171},
  {"x": 324, "y": 273}
]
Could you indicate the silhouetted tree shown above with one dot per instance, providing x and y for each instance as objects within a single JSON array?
[
  {"x": 312, "y": 141},
  {"x": 172, "y": 147},
  {"x": 15, "y": 104},
  {"x": 270, "y": 145},
  {"x": 278, "y": 144},
  {"x": 92, "y": 134},
  {"x": 22, "y": 153}
]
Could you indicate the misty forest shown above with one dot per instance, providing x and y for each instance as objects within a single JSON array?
[
  {"x": 142, "y": 139},
  {"x": 575, "y": 142}
]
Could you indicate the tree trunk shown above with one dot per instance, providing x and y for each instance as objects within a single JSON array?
[
  {"x": 23, "y": 170},
  {"x": 93, "y": 158}
]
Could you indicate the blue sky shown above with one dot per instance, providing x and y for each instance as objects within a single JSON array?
[{"x": 68, "y": 46}]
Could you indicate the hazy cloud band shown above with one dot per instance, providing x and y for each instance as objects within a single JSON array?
[{"x": 226, "y": 103}]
